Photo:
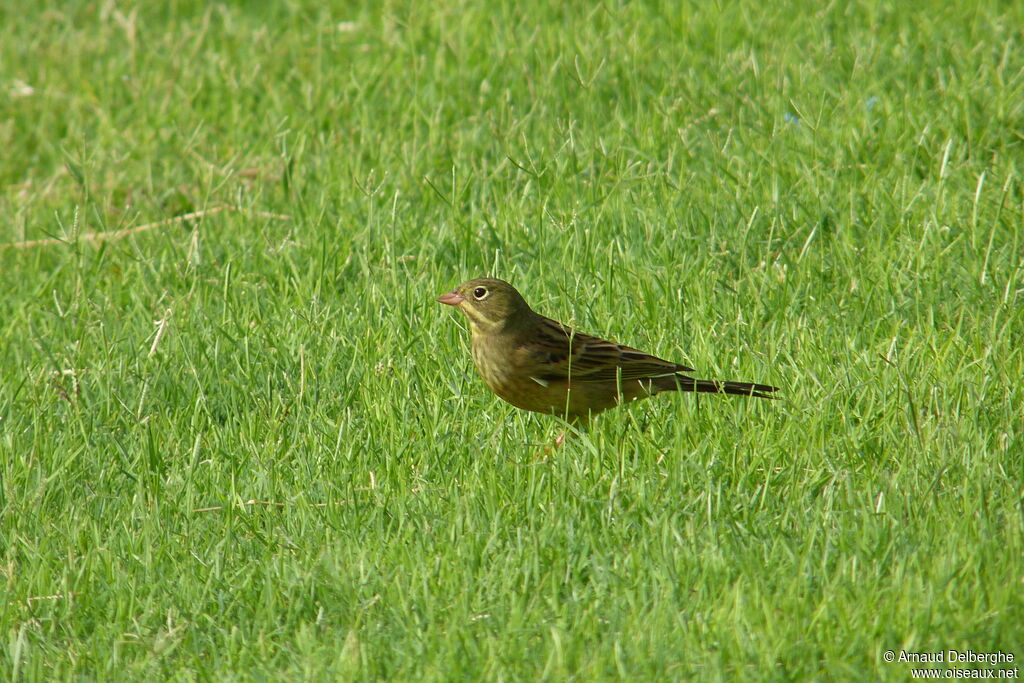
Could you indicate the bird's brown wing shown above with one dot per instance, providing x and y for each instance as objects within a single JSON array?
[{"x": 557, "y": 352}]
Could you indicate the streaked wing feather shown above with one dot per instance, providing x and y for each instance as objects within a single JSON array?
[{"x": 560, "y": 353}]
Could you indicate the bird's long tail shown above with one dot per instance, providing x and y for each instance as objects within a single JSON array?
[{"x": 712, "y": 386}]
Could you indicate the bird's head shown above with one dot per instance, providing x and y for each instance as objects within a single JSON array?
[{"x": 489, "y": 303}]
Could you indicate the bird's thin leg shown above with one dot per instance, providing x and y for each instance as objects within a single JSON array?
[
  {"x": 575, "y": 425},
  {"x": 549, "y": 450}
]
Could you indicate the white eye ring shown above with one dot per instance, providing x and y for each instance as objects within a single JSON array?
[{"x": 480, "y": 293}]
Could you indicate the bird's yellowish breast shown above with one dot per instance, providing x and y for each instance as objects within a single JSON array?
[
  {"x": 502, "y": 374},
  {"x": 494, "y": 370}
]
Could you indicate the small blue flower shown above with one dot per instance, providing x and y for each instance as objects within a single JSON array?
[
  {"x": 870, "y": 104},
  {"x": 790, "y": 118}
]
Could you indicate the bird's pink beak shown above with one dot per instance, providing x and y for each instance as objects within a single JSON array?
[{"x": 452, "y": 298}]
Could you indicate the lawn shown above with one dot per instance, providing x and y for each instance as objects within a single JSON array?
[{"x": 240, "y": 440}]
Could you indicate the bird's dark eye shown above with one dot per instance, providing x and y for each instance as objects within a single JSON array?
[{"x": 480, "y": 293}]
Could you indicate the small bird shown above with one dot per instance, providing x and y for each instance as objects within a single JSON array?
[{"x": 539, "y": 364}]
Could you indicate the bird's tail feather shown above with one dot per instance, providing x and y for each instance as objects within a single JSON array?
[{"x": 712, "y": 386}]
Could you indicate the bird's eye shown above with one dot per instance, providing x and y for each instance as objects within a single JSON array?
[{"x": 479, "y": 293}]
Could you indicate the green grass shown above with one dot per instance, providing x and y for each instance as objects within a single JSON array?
[{"x": 297, "y": 475}]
